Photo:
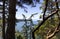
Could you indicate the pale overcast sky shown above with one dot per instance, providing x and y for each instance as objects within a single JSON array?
[{"x": 30, "y": 10}]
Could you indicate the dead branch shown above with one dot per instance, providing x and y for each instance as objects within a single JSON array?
[
  {"x": 46, "y": 4},
  {"x": 44, "y": 19},
  {"x": 57, "y": 28},
  {"x": 39, "y": 25},
  {"x": 48, "y": 32},
  {"x": 54, "y": 33}
]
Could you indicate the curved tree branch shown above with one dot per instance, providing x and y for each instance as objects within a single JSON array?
[
  {"x": 44, "y": 19},
  {"x": 57, "y": 28},
  {"x": 39, "y": 25},
  {"x": 57, "y": 11},
  {"x": 54, "y": 33}
]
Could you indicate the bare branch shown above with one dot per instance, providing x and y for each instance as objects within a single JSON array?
[
  {"x": 54, "y": 33},
  {"x": 39, "y": 25},
  {"x": 48, "y": 32},
  {"x": 57, "y": 28},
  {"x": 46, "y": 4},
  {"x": 32, "y": 15},
  {"x": 24, "y": 16},
  {"x": 57, "y": 11},
  {"x": 44, "y": 19}
]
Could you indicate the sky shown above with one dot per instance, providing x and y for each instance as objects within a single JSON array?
[{"x": 31, "y": 10}]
